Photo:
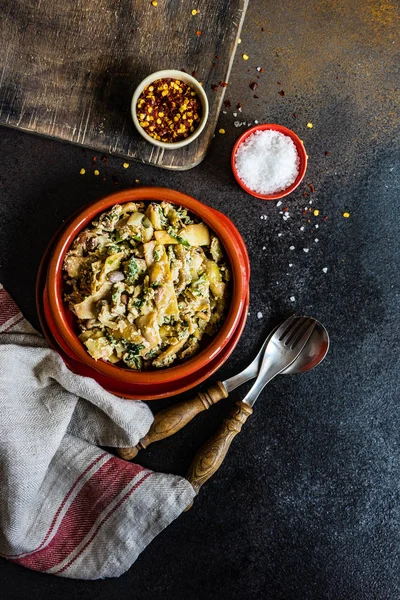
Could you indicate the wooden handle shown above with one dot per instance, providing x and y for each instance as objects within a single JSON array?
[
  {"x": 172, "y": 419},
  {"x": 210, "y": 456}
]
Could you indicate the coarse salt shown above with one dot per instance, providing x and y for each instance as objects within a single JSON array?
[
  {"x": 292, "y": 299},
  {"x": 259, "y": 315},
  {"x": 267, "y": 162}
]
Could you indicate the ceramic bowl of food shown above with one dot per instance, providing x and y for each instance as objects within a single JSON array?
[
  {"x": 73, "y": 308},
  {"x": 169, "y": 109},
  {"x": 269, "y": 156}
]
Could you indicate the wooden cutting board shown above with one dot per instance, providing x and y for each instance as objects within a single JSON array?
[{"x": 68, "y": 69}]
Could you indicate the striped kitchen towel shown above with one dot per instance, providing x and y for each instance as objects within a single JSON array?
[{"x": 67, "y": 507}]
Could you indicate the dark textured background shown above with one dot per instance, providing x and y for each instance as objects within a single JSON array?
[{"x": 307, "y": 504}]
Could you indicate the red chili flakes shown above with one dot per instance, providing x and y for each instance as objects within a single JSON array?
[
  {"x": 262, "y": 28},
  {"x": 255, "y": 96},
  {"x": 217, "y": 56},
  {"x": 104, "y": 158},
  {"x": 227, "y": 103},
  {"x": 312, "y": 188},
  {"x": 281, "y": 93},
  {"x": 194, "y": 73},
  {"x": 198, "y": 32},
  {"x": 327, "y": 153},
  {"x": 214, "y": 65},
  {"x": 239, "y": 106},
  {"x": 94, "y": 159},
  {"x": 214, "y": 87},
  {"x": 253, "y": 85},
  {"x": 168, "y": 110},
  {"x": 294, "y": 115},
  {"x": 324, "y": 218},
  {"x": 278, "y": 83},
  {"x": 223, "y": 84},
  {"x": 305, "y": 195},
  {"x": 115, "y": 179}
]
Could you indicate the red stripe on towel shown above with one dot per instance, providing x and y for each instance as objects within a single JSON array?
[
  {"x": 8, "y": 308},
  {"x": 88, "y": 505},
  {"x": 63, "y": 503}
]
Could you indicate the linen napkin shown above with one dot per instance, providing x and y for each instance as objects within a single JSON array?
[{"x": 67, "y": 507}]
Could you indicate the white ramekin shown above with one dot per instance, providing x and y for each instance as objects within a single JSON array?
[{"x": 171, "y": 74}]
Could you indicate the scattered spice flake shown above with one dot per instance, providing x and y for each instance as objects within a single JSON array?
[
  {"x": 221, "y": 131},
  {"x": 154, "y": 3},
  {"x": 255, "y": 96},
  {"x": 125, "y": 165},
  {"x": 327, "y": 153},
  {"x": 194, "y": 12},
  {"x": 239, "y": 41},
  {"x": 227, "y": 103},
  {"x": 292, "y": 299},
  {"x": 346, "y": 215},
  {"x": 115, "y": 179},
  {"x": 245, "y": 57},
  {"x": 239, "y": 106},
  {"x": 262, "y": 28},
  {"x": 223, "y": 84},
  {"x": 214, "y": 87},
  {"x": 198, "y": 32},
  {"x": 82, "y": 171},
  {"x": 137, "y": 181},
  {"x": 194, "y": 73},
  {"x": 217, "y": 56},
  {"x": 281, "y": 93},
  {"x": 278, "y": 83},
  {"x": 260, "y": 69},
  {"x": 104, "y": 158},
  {"x": 324, "y": 218},
  {"x": 94, "y": 159},
  {"x": 294, "y": 115},
  {"x": 312, "y": 188},
  {"x": 325, "y": 270},
  {"x": 316, "y": 212},
  {"x": 253, "y": 85},
  {"x": 309, "y": 125},
  {"x": 96, "y": 172}
]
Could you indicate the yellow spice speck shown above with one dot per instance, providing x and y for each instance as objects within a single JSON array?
[
  {"x": 154, "y": 3},
  {"x": 346, "y": 215},
  {"x": 136, "y": 180},
  {"x": 245, "y": 57},
  {"x": 194, "y": 12},
  {"x": 125, "y": 165},
  {"x": 309, "y": 125},
  {"x": 222, "y": 131},
  {"x": 316, "y": 212},
  {"x": 239, "y": 41},
  {"x": 96, "y": 172},
  {"x": 82, "y": 171}
]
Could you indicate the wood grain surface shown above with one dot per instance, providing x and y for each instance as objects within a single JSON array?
[{"x": 68, "y": 69}]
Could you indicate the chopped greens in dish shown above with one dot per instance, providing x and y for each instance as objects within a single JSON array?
[{"x": 146, "y": 283}]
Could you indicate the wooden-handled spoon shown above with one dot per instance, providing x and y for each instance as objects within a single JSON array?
[{"x": 170, "y": 420}]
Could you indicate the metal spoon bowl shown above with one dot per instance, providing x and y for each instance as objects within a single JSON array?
[{"x": 313, "y": 352}]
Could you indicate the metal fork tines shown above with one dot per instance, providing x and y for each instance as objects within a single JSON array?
[{"x": 284, "y": 347}]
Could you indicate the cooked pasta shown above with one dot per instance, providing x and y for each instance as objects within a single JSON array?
[{"x": 146, "y": 283}]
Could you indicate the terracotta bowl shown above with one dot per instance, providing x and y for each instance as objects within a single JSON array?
[{"x": 65, "y": 323}]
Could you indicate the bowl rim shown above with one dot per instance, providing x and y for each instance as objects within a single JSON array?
[
  {"x": 233, "y": 245},
  {"x": 172, "y": 73},
  {"x": 300, "y": 150}
]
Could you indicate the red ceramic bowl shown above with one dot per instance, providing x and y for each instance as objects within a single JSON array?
[
  {"x": 65, "y": 323},
  {"x": 300, "y": 150}
]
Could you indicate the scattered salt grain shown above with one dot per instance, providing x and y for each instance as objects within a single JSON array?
[
  {"x": 279, "y": 234},
  {"x": 302, "y": 228},
  {"x": 263, "y": 217},
  {"x": 290, "y": 264},
  {"x": 325, "y": 269},
  {"x": 286, "y": 216},
  {"x": 292, "y": 299},
  {"x": 279, "y": 203},
  {"x": 316, "y": 240},
  {"x": 267, "y": 162},
  {"x": 306, "y": 250},
  {"x": 264, "y": 247},
  {"x": 291, "y": 248},
  {"x": 234, "y": 114},
  {"x": 316, "y": 226},
  {"x": 259, "y": 315},
  {"x": 255, "y": 122}
]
